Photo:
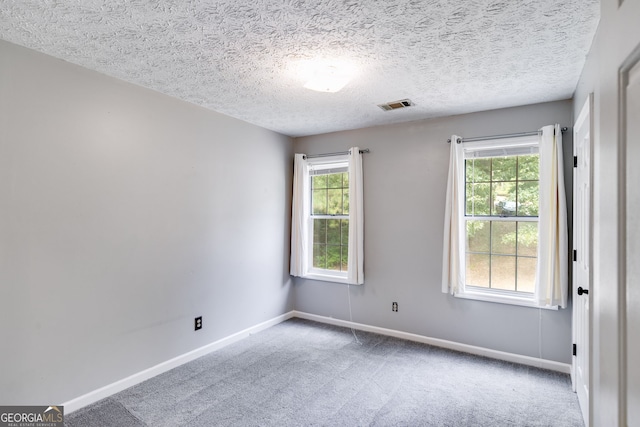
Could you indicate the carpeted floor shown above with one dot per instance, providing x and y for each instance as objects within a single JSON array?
[{"x": 302, "y": 373}]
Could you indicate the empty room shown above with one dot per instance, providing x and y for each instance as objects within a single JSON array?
[{"x": 287, "y": 213}]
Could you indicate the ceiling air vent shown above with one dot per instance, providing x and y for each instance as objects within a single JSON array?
[{"x": 394, "y": 105}]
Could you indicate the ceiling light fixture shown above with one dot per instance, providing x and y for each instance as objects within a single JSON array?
[{"x": 329, "y": 78}]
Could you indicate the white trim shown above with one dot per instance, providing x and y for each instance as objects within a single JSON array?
[
  {"x": 585, "y": 114},
  {"x": 501, "y": 218},
  {"x": 137, "y": 378},
  {"x": 472, "y": 150},
  {"x": 491, "y": 295},
  {"x": 564, "y": 368},
  {"x": 323, "y": 165},
  {"x": 316, "y": 274},
  {"x": 318, "y": 216}
]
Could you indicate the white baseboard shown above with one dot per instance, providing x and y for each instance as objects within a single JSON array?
[
  {"x": 480, "y": 351},
  {"x": 108, "y": 390}
]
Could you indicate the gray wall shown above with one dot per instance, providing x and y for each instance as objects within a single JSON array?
[
  {"x": 123, "y": 215},
  {"x": 618, "y": 35},
  {"x": 405, "y": 179}
]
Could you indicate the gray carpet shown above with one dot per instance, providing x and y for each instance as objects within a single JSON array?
[{"x": 302, "y": 373}]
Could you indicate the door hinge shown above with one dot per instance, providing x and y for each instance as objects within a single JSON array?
[
  {"x": 574, "y": 350},
  {"x": 575, "y": 255},
  {"x": 575, "y": 161}
]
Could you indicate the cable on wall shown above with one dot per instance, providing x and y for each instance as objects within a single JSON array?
[
  {"x": 539, "y": 333},
  {"x": 353, "y": 331}
]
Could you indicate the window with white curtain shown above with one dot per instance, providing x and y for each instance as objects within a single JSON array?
[
  {"x": 327, "y": 241},
  {"x": 505, "y": 236}
]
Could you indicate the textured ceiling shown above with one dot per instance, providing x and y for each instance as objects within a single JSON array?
[{"x": 246, "y": 58}]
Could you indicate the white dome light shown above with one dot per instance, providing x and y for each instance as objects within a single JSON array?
[{"x": 328, "y": 79}]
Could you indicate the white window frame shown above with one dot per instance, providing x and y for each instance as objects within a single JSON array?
[
  {"x": 510, "y": 147},
  {"x": 322, "y": 163}
]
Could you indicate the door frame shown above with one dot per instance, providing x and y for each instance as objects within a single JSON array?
[{"x": 625, "y": 69}]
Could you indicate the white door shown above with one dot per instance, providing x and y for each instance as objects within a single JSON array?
[
  {"x": 632, "y": 273},
  {"x": 582, "y": 255}
]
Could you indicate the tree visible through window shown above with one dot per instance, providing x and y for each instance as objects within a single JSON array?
[
  {"x": 501, "y": 214},
  {"x": 330, "y": 215}
]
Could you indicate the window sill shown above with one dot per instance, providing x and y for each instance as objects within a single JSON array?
[
  {"x": 326, "y": 278},
  {"x": 502, "y": 298}
]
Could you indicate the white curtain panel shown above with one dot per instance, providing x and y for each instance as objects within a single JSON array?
[
  {"x": 299, "y": 214},
  {"x": 552, "y": 271},
  {"x": 453, "y": 248},
  {"x": 355, "y": 274}
]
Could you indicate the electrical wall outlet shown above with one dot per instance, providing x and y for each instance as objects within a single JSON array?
[
  {"x": 198, "y": 323},
  {"x": 394, "y": 306}
]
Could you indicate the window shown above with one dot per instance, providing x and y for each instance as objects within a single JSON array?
[
  {"x": 327, "y": 222},
  {"x": 329, "y": 218},
  {"x": 501, "y": 182},
  {"x": 505, "y": 229},
  {"x": 501, "y": 220}
]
